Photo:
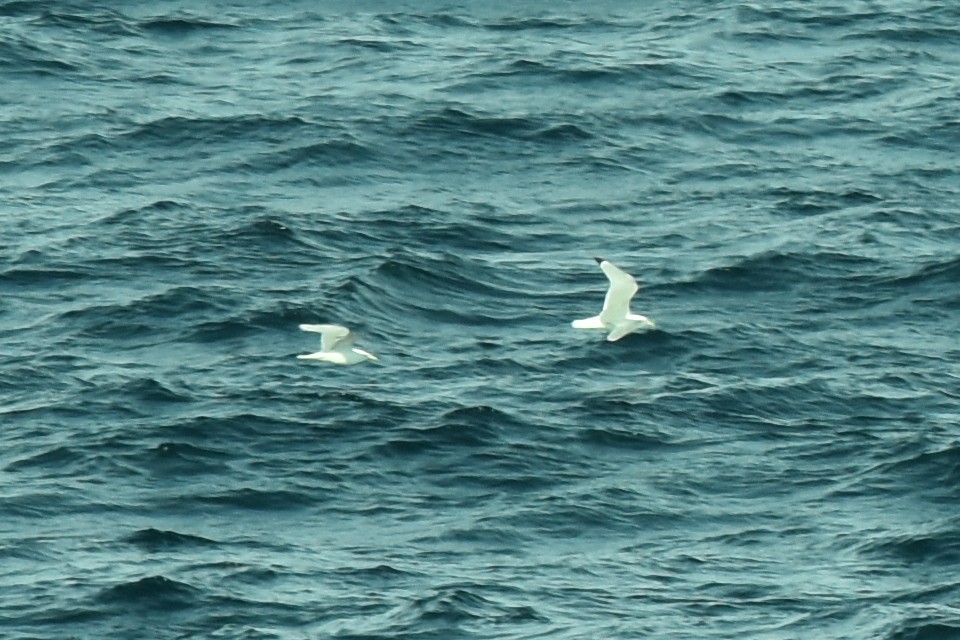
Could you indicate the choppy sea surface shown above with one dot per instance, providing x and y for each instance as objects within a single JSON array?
[{"x": 182, "y": 184}]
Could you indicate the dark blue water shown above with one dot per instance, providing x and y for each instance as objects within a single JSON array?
[{"x": 182, "y": 184}]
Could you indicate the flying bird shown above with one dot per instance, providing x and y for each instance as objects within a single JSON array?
[
  {"x": 615, "y": 316},
  {"x": 336, "y": 345}
]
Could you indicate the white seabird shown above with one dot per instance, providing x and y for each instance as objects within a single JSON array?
[
  {"x": 336, "y": 344},
  {"x": 615, "y": 316}
]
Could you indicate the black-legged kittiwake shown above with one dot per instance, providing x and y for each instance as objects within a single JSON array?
[
  {"x": 336, "y": 344},
  {"x": 615, "y": 316}
]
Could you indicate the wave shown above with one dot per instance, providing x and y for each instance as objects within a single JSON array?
[
  {"x": 184, "y": 25},
  {"x": 132, "y": 215},
  {"x": 939, "y": 274},
  {"x": 151, "y": 391},
  {"x": 380, "y": 45},
  {"x": 157, "y": 540},
  {"x": 459, "y": 428},
  {"x": 146, "y": 317},
  {"x": 440, "y": 288},
  {"x": 625, "y": 437},
  {"x": 464, "y": 127},
  {"x": 246, "y": 498},
  {"x": 929, "y": 622},
  {"x": 819, "y": 201},
  {"x": 774, "y": 269},
  {"x": 657, "y": 71},
  {"x": 416, "y": 225},
  {"x": 183, "y": 132},
  {"x": 336, "y": 152},
  {"x": 156, "y": 593},
  {"x": 23, "y": 56},
  {"x": 440, "y": 609},
  {"x": 460, "y": 122},
  {"x": 933, "y": 549},
  {"x": 182, "y": 459},
  {"x": 55, "y": 458}
]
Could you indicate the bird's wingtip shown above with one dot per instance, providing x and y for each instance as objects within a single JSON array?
[{"x": 600, "y": 260}]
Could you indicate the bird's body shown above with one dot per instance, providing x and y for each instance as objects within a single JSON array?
[
  {"x": 336, "y": 344},
  {"x": 615, "y": 317}
]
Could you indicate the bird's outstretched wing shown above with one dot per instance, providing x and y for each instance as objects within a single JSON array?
[
  {"x": 333, "y": 337},
  {"x": 622, "y": 288}
]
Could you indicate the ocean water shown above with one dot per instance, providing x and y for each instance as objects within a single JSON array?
[{"x": 182, "y": 184}]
